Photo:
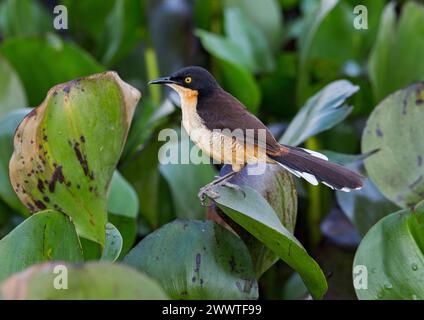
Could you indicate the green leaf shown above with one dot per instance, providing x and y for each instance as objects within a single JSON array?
[
  {"x": 277, "y": 187},
  {"x": 8, "y": 127},
  {"x": 294, "y": 288},
  {"x": 128, "y": 230},
  {"x": 83, "y": 24},
  {"x": 398, "y": 168},
  {"x": 113, "y": 244},
  {"x": 364, "y": 207},
  {"x": 91, "y": 281},
  {"x": 333, "y": 38},
  {"x": 45, "y": 236},
  {"x": 242, "y": 84},
  {"x": 23, "y": 18},
  {"x": 253, "y": 213},
  {"x": 266, "y": 16},
  {"x": 396, "y": 60},
  {"x": 12, "y": 94},
  {"x": 225, "y": 49},
  {"x": 196, "y": 260},
  {"x": 321, "y": 112},
  {"x": 306, "y": 39},
  {"x": 392, "y": 253},
  {"x": 249, "y": 38},
  {"x": 122, "y": 30},
  {"x": 57, "y": 62},
  {"x": 185, "y": 178},
  {"x": 122, "y": 199},
  {"x": 66, "y": 150},
  {"x": 244, "y": 45}
]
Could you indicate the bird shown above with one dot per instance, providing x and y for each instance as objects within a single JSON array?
[{"x": 222, "y": 127}]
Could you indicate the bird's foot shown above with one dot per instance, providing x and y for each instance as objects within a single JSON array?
[{"x": 207, "y": 190}]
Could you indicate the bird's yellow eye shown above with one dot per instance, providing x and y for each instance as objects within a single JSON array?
[{"x": 188, "y": 80}]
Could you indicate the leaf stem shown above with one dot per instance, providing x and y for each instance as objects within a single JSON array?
[
  {"x": 314, "y": 210},
  {"x": 152, "y": 73}
]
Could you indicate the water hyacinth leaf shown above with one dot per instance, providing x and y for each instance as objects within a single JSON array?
[
  {"x": 45, "y": 236},
  {"x": 277, "y": 187},
  {"x": 266, "y": 16},
  {"x": 127, "y": 229},
  {"x": 224, "y": 49},
  {"x": 122, "y": 30},
  {"x": 8, "y": 127},
  {"x": 321, "y": 112},
  {"x": 57, "y": 62},
  {"x": 294, "y": 288},
  {"x": 397, "y": 169},
  {"x": 306, "y": 39},
  {"x": 122, "y": 199},
  {"x": 395, "y": 61},
  {"x": 12, "y": 93},
  {"x": 66, "y": 150},
  {"x": 208, "y": 261},
  {"x": 23, "y": 18},
  {"x": 251, "y": 211},
  {"x": 243, "y": 32},
  {"x": 396, "y": 265},
  {"x": 90, "y": 281},
  {"x": 83, "y": 24},
  {"x": 113, "y": 244}
]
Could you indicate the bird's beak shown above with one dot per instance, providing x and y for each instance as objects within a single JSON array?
[{"x": 163, "y": 80}]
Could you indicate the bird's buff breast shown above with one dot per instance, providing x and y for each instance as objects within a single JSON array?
[{"x": 222, "y": 148}]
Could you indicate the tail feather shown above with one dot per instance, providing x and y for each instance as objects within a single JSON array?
[{"x": 314, "y": 167}]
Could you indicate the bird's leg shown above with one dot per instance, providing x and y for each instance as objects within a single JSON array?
[{"x": 219, "y": 181}]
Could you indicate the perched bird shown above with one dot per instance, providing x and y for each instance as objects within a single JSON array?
[{"x": 219, "y": 125}]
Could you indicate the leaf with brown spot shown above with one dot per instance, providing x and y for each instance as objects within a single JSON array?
[
  {"x": 75, "y": 172},
  {"x": 194, "y": 259},
  {"x": 396, "y": 169}
]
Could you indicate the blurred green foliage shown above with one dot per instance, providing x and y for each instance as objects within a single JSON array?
[{"x": 284, "y": 59}]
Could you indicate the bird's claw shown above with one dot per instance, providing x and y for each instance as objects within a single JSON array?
[{"x": 208, "y": 192}]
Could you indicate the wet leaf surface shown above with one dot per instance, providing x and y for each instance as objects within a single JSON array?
[
  {"x": 395, "y": 269},
  {"x": 196, "y": 260}
]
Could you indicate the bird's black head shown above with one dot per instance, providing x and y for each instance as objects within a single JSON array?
[{"x": 194, "y": 78}]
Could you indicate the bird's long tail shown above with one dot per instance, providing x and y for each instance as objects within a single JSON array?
[{"x": 314, "y": 167}]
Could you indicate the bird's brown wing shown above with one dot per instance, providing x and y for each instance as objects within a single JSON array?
[{"x": 222, "y": 111}]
